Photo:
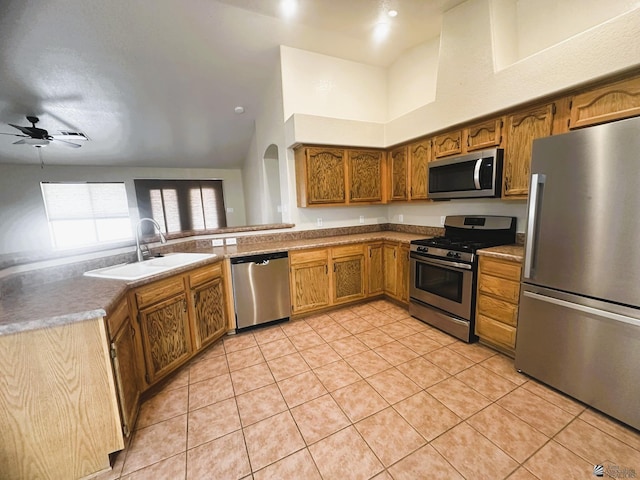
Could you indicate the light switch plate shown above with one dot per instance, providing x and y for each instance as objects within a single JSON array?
[
  {"x": 217, "y": 242},
  {"x": 230, "y": 241}
]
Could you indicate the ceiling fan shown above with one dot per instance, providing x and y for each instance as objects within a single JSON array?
[{"x": 39, "y": 137}]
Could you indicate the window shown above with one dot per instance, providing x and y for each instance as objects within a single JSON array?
[
  {"x": 181, "y": 205},
  {"x": 86, "y": 214}
]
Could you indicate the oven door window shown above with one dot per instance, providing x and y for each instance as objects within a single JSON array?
[{"x": 440, "y": 281}]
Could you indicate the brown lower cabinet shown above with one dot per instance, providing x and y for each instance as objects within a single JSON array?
[{"x": 497, "y": 303}]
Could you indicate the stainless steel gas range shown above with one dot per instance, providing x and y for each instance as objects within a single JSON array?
[{"x": 442, "y": 286}]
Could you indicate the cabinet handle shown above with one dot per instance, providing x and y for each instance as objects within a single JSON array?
[
  {"x": 326, "y": 269},
  {"x": 334, "y": 267}
]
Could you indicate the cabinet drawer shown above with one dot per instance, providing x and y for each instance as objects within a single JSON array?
[
  {"x": 158, "y": 291},
  {"x": 500, "y": 268},
  {"x": 205, "y": 274},
  {"x": 496, "y": 332},
  {"x": 505, "y": 289},
  {"x": 498, "y": 309},
  {"x": 304, "y": 256},
  {"x": 347, "y": 250}
]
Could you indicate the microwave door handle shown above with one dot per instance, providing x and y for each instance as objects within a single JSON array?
[
  {"x": 535, "y": 195},
  {"x": 476, "y": 173}
]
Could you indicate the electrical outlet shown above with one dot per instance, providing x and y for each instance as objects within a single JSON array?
[
  {"x": 401, "y": 218},
  {"x": 217, "y": 242},
  {"x": 229, "y": 209},
  {"x": 230, "y": 241},
  {"x": 442, "y": 221},
  {"x": 361, "y": 218},
  {"x": 319, "y": 221}
]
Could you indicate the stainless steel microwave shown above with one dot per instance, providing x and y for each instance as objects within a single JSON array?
[{"x": 476, "y": 175}]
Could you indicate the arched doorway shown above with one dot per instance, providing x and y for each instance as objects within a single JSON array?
[{"x": 273, "y": 208}]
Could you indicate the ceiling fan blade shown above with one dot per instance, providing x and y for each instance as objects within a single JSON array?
[
  {"x": 25, "y": 130},
  {"x": 66, "y": 143},
  {"x": 14, "y": 134}
]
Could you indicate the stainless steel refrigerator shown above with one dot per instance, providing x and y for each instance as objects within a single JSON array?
[{"x": 579, "y": 315}]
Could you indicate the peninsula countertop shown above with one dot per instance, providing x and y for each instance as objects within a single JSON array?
[{"x": 82, "y": 298}]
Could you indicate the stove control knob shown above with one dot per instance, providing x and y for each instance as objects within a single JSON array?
[{"x": 453, "y": 255}]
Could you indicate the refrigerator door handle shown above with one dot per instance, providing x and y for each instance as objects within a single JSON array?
[
  {"x": 476, "y": 173},
  {"x": 537, "y": 179},
  {"x": 583, "y": 308}
]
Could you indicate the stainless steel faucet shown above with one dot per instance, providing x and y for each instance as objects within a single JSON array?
[{"x": 138, "y": 246}]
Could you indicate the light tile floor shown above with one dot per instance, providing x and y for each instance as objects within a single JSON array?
[{"x": 365, "y": 392}]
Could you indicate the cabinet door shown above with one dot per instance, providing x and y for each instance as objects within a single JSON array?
[
  {"x": 522, "y": 129},
  {"x": 348, "y": 279},
  {"x": 165, "y": 336},
  {"x": 210, "y": 318},
  {"x": 325, "y": 175},
  {"x": 403, "y": 273},
  {"x": 309, "y": 280},
  {"x": 365, "y": 175},
  {"x": 446, "y": 144},
  {"x": 390, "y": 257},
  {"x": 419, "y": 157},
  {"x": 399, "y": 174},
  {"x": 125, "y": 367},
  {"x": 375, "y": 271},
  {"x": 484, "y": 135},
  {"x": 611, "y": 102}
]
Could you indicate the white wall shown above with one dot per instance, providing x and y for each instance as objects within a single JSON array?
[
  {"x": 317, "y": 84},
  {"x": 23, "y": 218},
  {"x": 493, "y": 55}
]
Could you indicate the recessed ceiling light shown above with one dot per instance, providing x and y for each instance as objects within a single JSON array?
[
  {"x": 381, "y": 31},
  {"x": 239, "y": 110},
  {"x": 288, "y": 8},
  {"x": 392, "y": 13}
]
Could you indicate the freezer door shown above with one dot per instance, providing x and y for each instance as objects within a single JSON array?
[
  {"x": 583, "y": 224},
  {"x": 585, "y": 348}
]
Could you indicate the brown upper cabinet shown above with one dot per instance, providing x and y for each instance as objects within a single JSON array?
[
  {"x": 486, "y": 134},
  {"x": 321, "y": 176},
  {"x": 447, "y": 144},
  {"x": 366, "y": 171},
  {"x": 399, "y": 167},
  {"x": 611, "y": 102},
  {"x": 419, "y": 157},
  {"x": 339, "y": 176},
  {"x": 522, "y": 129}
]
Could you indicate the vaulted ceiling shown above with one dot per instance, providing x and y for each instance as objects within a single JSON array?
[{"x": 155, "y": 82}]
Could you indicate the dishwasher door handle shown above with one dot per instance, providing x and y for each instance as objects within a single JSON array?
[{"x": 264, "y": 262}]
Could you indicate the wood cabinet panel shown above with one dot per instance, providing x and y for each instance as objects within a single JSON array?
[
  {"x": 375, "y": 272},
  {"x": 159, "y": 290},
  {"x": 209, "y": 312},
  {"x": 126, "y": 370},
  {"x": 58, "y": 407},
  {"x": 365, "y": 175},
  {"x": 403, "y": 273},
  {"x": 521, "y": 130},
  {"x": 501, "y": 268},
  {"x": 484, "y": 135},
  {"x": 419, "y": 157},
  {"x": 495, "y": 332},
  {"x": 390, "y": 256},
  {"x": 205, "y": 274},
  {"x": 446, "y": 144},
  {"x": 497, "y": 302},
  {"x": 309, "y": 280},
  {"x": 611, "y": 102},
  {"x": 498, "y": 309},
  {"x": 399, "y": 167},
  {"x": 348, "y": 278},
  {"x": 165, "y": 335},
  {"x": 320, "y": 176}
]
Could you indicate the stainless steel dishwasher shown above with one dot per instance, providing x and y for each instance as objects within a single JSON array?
[{"x": 261, "y": 289}]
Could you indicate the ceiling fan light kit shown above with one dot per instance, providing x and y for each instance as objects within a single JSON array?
[{"x": 39, "y": 137}]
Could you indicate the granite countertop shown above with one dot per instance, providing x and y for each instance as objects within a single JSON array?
[
  {"x": 515, "y": 253},
  {"x": 83, "y": 298}
]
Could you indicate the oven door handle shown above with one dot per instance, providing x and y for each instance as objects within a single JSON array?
[{"x": 444, "y": 263}]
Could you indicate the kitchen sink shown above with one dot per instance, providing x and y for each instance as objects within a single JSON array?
[{"x": 139, "y": 270}]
